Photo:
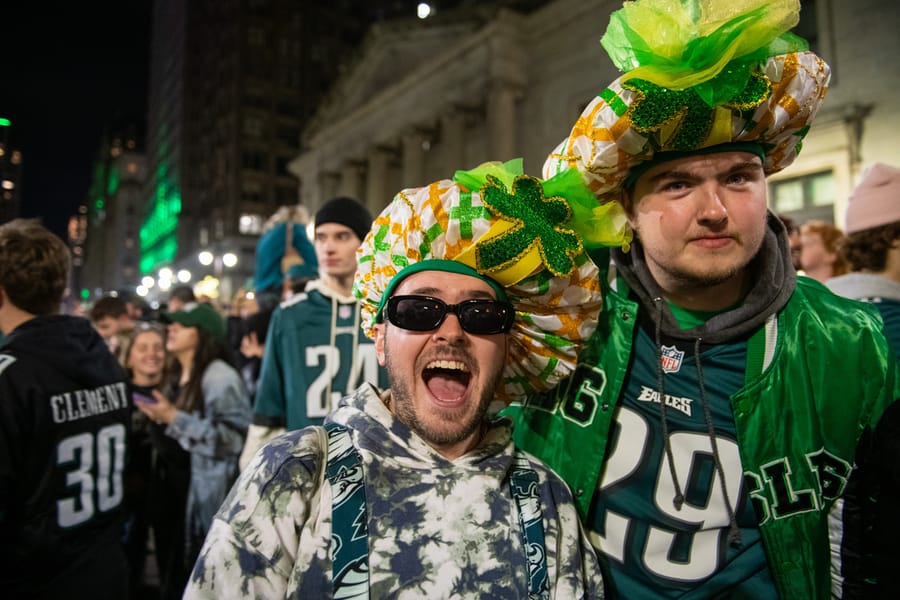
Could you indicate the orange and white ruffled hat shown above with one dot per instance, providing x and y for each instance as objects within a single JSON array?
[
  {"x": 524, "y": 236},
  {"x": 700, "y": 76}
]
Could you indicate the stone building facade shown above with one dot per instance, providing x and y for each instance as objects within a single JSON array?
[{"x": 428, "y": 98}]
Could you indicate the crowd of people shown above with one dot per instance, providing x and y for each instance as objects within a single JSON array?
[
  {"x": 192, "y": 373},
  {"x": 627, "y": 378}
]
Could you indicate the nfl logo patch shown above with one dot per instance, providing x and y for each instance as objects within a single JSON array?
[
  {"x": 344, "y": 312},
  {"x": 671, "y": 359}
]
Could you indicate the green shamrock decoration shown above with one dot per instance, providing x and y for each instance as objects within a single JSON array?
[
  {"x": 655, "y": 106},
  {"x": 537, "y": 221}
]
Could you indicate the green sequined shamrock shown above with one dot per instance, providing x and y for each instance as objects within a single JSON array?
[
  {"x": 537, "y": 221},
  {"x": 656, "y": 106}
]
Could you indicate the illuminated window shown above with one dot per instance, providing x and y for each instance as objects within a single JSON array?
[
  {"x": 250, "y": 224},
  {"x": 803, "y": 198}
]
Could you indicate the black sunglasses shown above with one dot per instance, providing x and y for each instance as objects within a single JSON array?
[{"x": 424, "y": 313}]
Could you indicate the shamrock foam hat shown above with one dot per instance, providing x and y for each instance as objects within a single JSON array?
[
  {"x": 700, "y": 76},
  {"x": 524, "y": 236}
]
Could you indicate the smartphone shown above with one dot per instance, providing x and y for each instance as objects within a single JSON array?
[
  {"x": 142, "y": 394},
  {"x": 143, "y": 398}
]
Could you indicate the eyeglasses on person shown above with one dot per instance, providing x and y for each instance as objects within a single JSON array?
[{"x": 476, "y": 316}]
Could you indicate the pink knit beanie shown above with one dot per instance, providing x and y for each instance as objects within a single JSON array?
[{"x": 876, "y": 199}]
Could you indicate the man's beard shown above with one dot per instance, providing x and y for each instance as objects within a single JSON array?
[
  {"x": 686, "y": 280},
  {"x": 404, "y": 409}
]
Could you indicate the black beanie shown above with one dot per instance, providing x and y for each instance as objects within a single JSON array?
[{"x": 348, "y": 212}]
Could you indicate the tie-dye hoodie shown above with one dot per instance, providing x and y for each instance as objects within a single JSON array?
[{"x": 436, "y": 528}]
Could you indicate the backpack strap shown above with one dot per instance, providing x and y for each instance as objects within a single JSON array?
[
  {"x": 523, "y": 483},
  {"x": 349, "y": 520}
]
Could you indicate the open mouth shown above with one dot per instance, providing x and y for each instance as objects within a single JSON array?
[{"x": 447, "y": 380}]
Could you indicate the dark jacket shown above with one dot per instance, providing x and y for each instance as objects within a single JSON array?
[{"x": 64, "y": 418}]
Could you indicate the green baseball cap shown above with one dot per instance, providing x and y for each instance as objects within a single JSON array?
[{"x": 200, "y": 315}]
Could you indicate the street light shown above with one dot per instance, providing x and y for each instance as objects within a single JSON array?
[
  {"x": 219, "y": 263},
  {"x": 424, "y": 10}
]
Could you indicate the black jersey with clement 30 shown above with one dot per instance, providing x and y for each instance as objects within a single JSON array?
[{"x": 64, "y": 418}]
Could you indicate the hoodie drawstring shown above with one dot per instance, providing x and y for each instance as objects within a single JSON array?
[
  {"x": 353, "y": 376},
  {"x": 678, "y": 500},
  {"x": 734, "y": 532},
  {"x": 331, "y": 342},
  {"x": 353, "y": 382}
]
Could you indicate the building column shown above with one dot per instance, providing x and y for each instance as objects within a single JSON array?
[
  {"x": 351, "y": 180},
  {"x": 453, "y": 138},
  {"x": 327, "y": 185},
  {"x": 378, "y": 192},
  {"x": 415, "y": 144},
  {"x": 501, "y": 120}
]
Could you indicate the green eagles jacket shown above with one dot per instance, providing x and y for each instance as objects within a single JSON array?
[{"x": 803, "y": 421}]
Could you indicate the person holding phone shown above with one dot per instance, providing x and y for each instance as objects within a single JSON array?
[
  {"x": 144, "y": 359},
  {"x": 199, "y": 424}
]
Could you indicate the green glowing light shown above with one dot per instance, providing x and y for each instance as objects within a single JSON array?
[
  {"x": 158, "y": 235},
  {"x": 85, "y": 293},
  {"x": 4, "y": 122},
  {"x": 112, "y": 184}
]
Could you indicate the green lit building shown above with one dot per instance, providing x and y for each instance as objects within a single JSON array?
[
  {"x": 105, "y": 235},
  {"x": 231, "y": 86}
]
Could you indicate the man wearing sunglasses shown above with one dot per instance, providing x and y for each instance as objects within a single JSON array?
[{"x": 476, "y": 291}]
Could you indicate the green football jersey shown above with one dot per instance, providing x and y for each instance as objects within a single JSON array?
[
  {"x": 316, "y": 352},
  {"x": 653, "y": 548}
]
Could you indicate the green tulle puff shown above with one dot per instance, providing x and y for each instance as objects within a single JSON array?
[{"x": 711, "y": 46}]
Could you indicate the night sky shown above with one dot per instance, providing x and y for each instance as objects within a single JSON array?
[
  {"x": 69, "y": 70},
  {"x": 66, "y": 70}
]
